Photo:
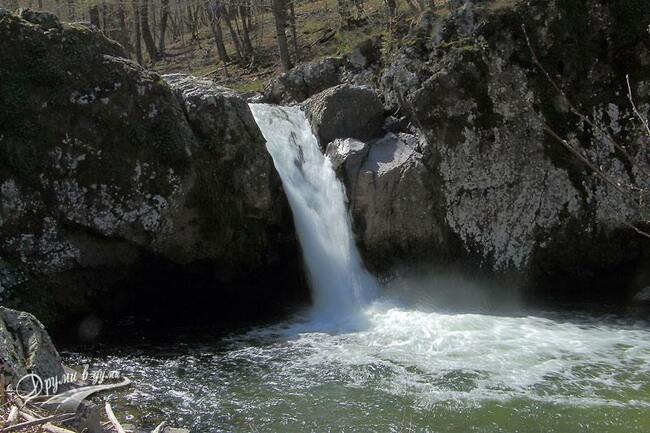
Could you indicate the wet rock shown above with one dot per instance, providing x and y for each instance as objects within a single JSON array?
[
  {"x": 26, "y": 348},
  {"x": 345, "y": 111}
]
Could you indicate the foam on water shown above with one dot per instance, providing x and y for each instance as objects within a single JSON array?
[
  {"x": 404, "y": 370},
  {"x": 364, "y": 365},
  {"x": 428, "y": 354}
]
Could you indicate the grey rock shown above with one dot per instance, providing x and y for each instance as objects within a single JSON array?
[
  {"x": 643, "y": 295},
  {"x": 128, "y": 166},
  {"x": 304, "y": 81},
  {"x": 509, "y": 196},
  {"x": 46, "y": 20},
  {"x": 391, "y": 204},
  {"x": 347, "y": 155},
  {"x": 365, "y": 53},
  {"x": 345, "y": 111},
  {"x": 26, "y": 348}
]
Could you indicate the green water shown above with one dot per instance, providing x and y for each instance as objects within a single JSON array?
[{"x": 395, "y": 370}]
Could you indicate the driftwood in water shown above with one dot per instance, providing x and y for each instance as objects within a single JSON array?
[
  {"x": 34, "y": 422},
  {"x": 159, "y": 428},
  {"x": 113, "y": 419}
]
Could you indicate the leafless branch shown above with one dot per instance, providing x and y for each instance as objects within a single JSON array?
[
  {"x": 638, "y": 114},
  {"x": 572, "y": 107},
  {"x": 599, "y": 173}
]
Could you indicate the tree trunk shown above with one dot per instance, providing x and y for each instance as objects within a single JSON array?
[
  {"x": 280, "y": 15},
  {"x": 214, "y": 18},
  {"x": 122, "y": 34},
  {"x": 234, "y": 37},
  {"x": 294, "y": 31},
  {"x": 106, "y": 14},
  {"x": 93, "y": 12},
  {"x": 247, "y": 40},
  {"x": 181, "y": 23},
  {"x": 138, "y": 37},
  {"x": 146, "y": 31},
  {"x": 164, "y": 15},
  {"x": 192, "y": 22}
]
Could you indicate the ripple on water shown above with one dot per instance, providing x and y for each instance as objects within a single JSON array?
[{"x": 396, "y": 369}]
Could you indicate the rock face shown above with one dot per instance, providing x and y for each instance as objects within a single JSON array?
[
  {"x": 392, "y": 201},
  {"x": 107, "y": 170},
  {"x": 345, "y": 111},
  {"x": 489, "y": 184},
  {"x": 26, "y": 348}
]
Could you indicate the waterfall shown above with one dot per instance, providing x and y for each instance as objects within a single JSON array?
[{"x": 339, "y": 283}]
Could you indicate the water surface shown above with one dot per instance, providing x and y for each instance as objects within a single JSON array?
[{"x": 396, "y": 369}]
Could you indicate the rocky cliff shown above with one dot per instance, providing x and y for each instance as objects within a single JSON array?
[
  {"x": 115, "y": 182},
  {"x": 511, "y": 146}
]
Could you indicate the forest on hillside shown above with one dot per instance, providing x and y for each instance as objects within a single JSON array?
[{"x": 243, "y": 41}]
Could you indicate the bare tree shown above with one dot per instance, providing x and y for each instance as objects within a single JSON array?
[
  {"x": 122, "y": 33},
  {"x": 164, "y": 17},
  {"x": 280, "y": 15},
  {"x": 233, "y": 35},
  {"x": 294, "y": 31},
  {"x": 214, "y": 18},
  {"x": 146, "y": 31},
  {"x": 136, "y": 31},
  {"x": 244, "y": 12},
  {"x": 93, "y": 13}
]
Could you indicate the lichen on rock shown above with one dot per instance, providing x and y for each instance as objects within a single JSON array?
[{"x": 105, "y": 166}]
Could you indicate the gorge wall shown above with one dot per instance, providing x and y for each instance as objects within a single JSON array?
[
  {"x": 470, "y": 166},
  {"x": 122, "y": 188}
]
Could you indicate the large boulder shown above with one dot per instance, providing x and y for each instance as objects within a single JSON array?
[
  {"x": 26, "y": 348},
  {"x": 304, "y": 80},
  {"x": 494, "y": 186},
  {"x": 393, "y": 204},
  {"x": 345, "y": 111},
  {"x": 111, "y": 178}
]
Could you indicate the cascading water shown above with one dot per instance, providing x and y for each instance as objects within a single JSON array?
[
  {"x": 410, "y": 368},
  {"x": 340, "y": 284}
]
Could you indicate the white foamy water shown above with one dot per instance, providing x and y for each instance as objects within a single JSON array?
[
  {"x": 340, "y": 285},
  {"x": 405, "y": 370}
]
